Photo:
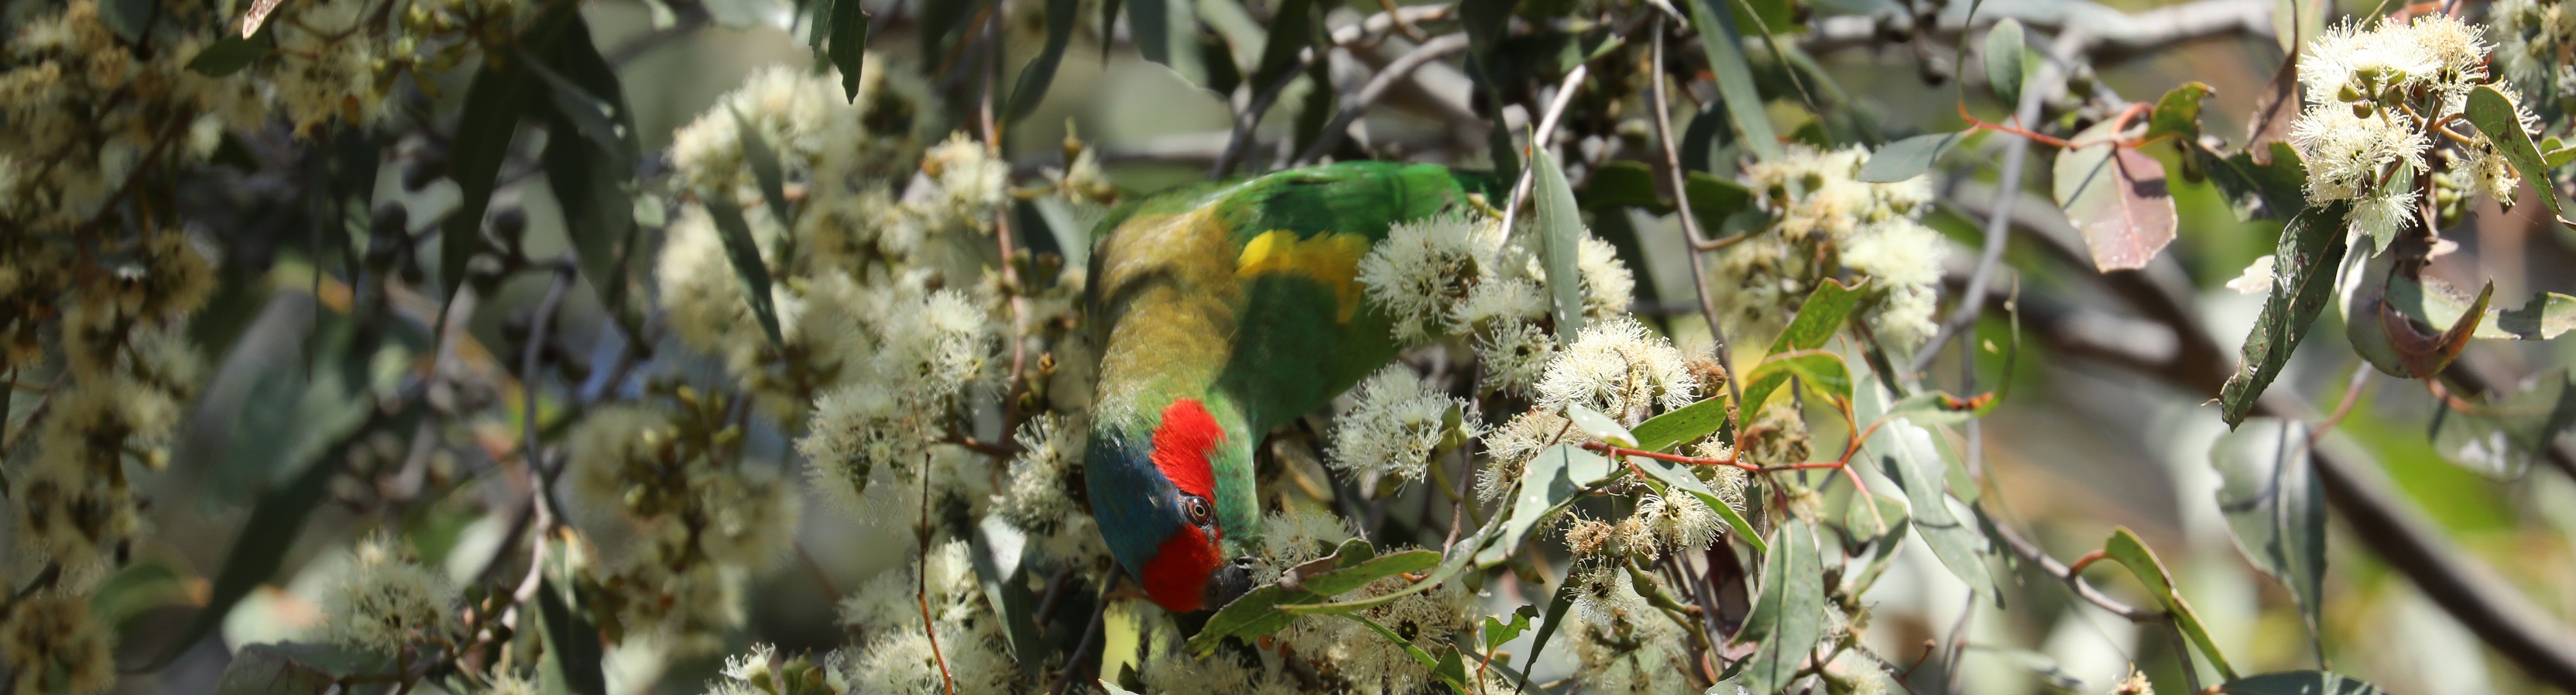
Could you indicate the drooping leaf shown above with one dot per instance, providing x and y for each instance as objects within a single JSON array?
[
  {"x": 765, "y": 170},
  {"x": 1689, "y": 423},
  {"x": 593, "y": 177},
  {"x": 2275, "y": 507},
  {"x": 1717, "y": 36},
  {"x": 138, "y": 587},
  {"x": 745, "y": 255},
  {"x": 2299, "y": 683},
  {"x": 1934, "y": 408},
  {"x": 1819, "y": 317},
  {"x": 1788, "y": 612},
  {"x": 2177, "y": 113},
  {"x": 2501, "y": 438},
  {"x": 1040, "y": 72},
  {"x": 849, "y": 47},
  {"x": 2125, "y": 548},
  {"x": 1601, "y": 427},
  {"x": 2004, "y": 58},
  {"x": 585, "y": 114},
  {"x": 2423, "y": 352},
  {"x": 2310, "y": 245},
  {"x": 1556, "y": 605},
  {"x": 1167, "y": 33},
  {"x": 2546, "y": 316},
  {"x": 2496, "y": 119},
  {"x": 1908, "y": 158},
  {"x": 288, "y": 668},
  {"x": 1560, "y": 230},
  {"x": 2116, "y": 197},
  {"x": 1291, "y": 31},
  {"x": 572, "y": 645},
  {"x": 1497, "y": 633},
  {"x": 1906, "y": 454},
  {"x": 1262, "y": 611},
  {"x": 484, "y": 129}
]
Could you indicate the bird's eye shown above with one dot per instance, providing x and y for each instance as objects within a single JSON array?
[{"x": 1197, "y": 507}]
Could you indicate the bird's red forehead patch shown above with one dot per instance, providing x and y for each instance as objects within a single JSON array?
[{"x": 1182, "y": 444}]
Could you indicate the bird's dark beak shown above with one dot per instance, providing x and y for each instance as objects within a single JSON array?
[{"x": 1228, "y": 583}]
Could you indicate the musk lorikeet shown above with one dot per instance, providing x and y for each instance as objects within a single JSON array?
[{"x": 1224, "y": 310}]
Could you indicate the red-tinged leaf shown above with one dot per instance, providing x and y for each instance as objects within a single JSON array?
[
  {"x": 2178, "y": 112},
  {"x": 2423, "y": 352},
  {"x": 258, "y": 15},
  {"x": 2273, "y": 111},
  {"x": 2117, "y": 198}
]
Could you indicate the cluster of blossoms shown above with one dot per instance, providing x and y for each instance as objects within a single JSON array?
[
  {"x": 679, "y": 523},
  {"x": 2534, "y": 43},
  {"x": 2377, "y": 98},
  {"x": 1460, "y": 275},
  {"x": 386, "y": 602},
  {"x": 1825, "y": 221},
  {"x": 895, "y": 656},
  {"x": 1397, "y": 422}
]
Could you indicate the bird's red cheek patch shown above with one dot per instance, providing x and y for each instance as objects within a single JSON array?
[
  {"x": 1177, "y": 576},
  {"x": 1182, "y": 444}
]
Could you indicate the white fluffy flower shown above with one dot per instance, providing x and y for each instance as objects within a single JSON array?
[
  {"x": 1617, "y": 368},
  {"x": 1422, "y": 272},
  {"x": 1396, "y": 423},
  {"x": 388, "y": 602}
]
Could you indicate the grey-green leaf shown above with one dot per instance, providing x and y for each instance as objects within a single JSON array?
[
  {"x": 1788, "y": 612},
  {"x": 745, "y": 255},
  {"x": 1717, "y": 35},
  {"x": 1908, "y": 158},
  {"x": 2311, "y": 247},
  {"x": 2499, "y": 123},
  {"x": 2501, "y": 438},
  {"x": 2275, "y": 509},
  {"x": 765, "y": 170},
  {"x": 1560, "y": 229},
  {"x": 1601, "y": 427},
  {"x": 1031, "y": 87},
  {"x": 849, "y": 44},
  {"x": 1906, "y": 454},
  {"x": 2004, "y": 60}
]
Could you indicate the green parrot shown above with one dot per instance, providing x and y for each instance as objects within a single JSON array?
[{"x": 1225, "y": 310}]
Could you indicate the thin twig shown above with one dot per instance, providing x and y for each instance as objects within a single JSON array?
[
  {"x": 1396, "y": 71},
  {"x": 1690, "y": 226},
  {"x": 1539, "y": 138},
  {"x": 2007, "y": 186}
]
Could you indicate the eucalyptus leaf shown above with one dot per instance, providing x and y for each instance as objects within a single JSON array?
[
  {"x": 2116, "y": 197},
  {"x": 747, "y": 265},
  {"x": 2500, "y": 123},
  {"x": 1908, "y": 158},
  {"x": 2501, "y": 438},
  {"x": 2005, "y": 55},
  {"x": 2177, "y": 113},
  {"x": 1040, "y": 72},
  {"x": 1819, "y": 317},
  {"x": 1560, "y": 230},
  {"x": 2311, "y": 246},
  {"x": 849, "y": 44},
  {"x": 1789, "y": 610},
  {"x": 2275, "y": 507},
  {"x": 765, "y": 170},
  {"x": 1601, "y": 427},
  {"x": 1686, "y": 424},
  {"x": 1735, "y": 86},
  {"x": 2125, "y": 548},
  {"x": 2299, "y": 683},
  {"x": 1906, "y": 454}
]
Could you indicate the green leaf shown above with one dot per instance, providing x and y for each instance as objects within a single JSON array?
[
  {"x": 1820, "y": 370},
  {"x": 1292, "y": 30},
  {"x": 1876, "y": 519},
  {"x": 1497, "y": 632},
  {"x": 1819, "y": 317},
  {"x": 2299, "y": 683},
  {"x": 766, "y": 170},
  {"x": 1908, "y": 158},
  {"x": 1560, "y": 229},
  {"x": 128, "y": 18},
  {"x": 1717, "y": 36},
  {"x": 1262, "y": 611},
  {"x": 1556, "y": 605},
  {"x": 1167, "y": 33},
  {"x": 1031, "y": 87},
  {"x": 484, "y": 128},
  {"x": 1687, "y": 424},
  {"x": 2496, "y": 119},
  {"x": 745, "y": 255},
  {"x": 1681, "y": 476},
  {"x": 584, "y": 113},
  {"x": 1601, "y": 427},
  {"x": 2177, "y": 113},
  {"x": 1722, "y": 207},
  {"x": 2544, "y": 317},
  {"x": 1623, "y": 183},
  {"x": 2005, "y": 51},
  {"x": 2116, "y": 196},
  {"x": 2125, "y": 548},
  {"x": 593, "y": 178},
  {"x": 2501, "y": 438},
  {"x": 229, "y": 55},
  {"x": 1788, "y": 612},
  {"x": 2273, "y": 191},
  {"x": 2275, "y": 508},
  {"x": 2310, "y": 246},
  {"x": 849, "y": 48},
  {"x": 572, "y": 645},
  {"x": 1906, "y": 454},
  {"x": 288, "y": 668},
  {"x": 137, "y": 588}
]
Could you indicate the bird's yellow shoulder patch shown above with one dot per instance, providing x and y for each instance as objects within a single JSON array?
[{"x": 1332, "y": 258}]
